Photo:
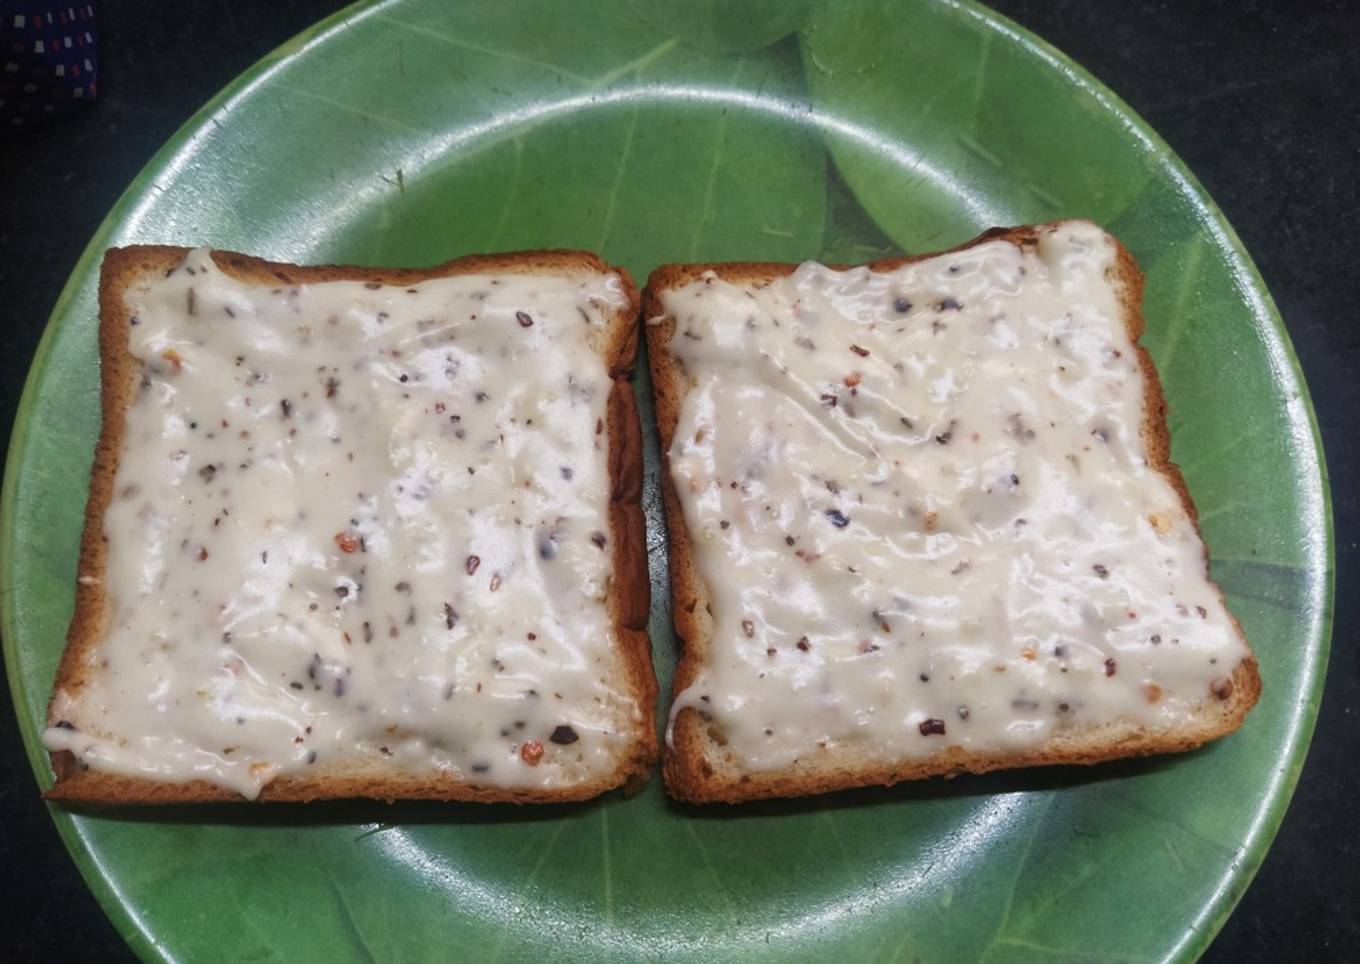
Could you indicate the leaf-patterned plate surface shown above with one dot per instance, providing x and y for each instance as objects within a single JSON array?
[{"x": 409, "y": 131}]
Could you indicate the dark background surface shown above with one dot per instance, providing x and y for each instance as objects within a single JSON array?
[{"x": 1261, "y": 99}]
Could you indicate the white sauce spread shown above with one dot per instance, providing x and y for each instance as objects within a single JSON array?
[
  {"x": 921, "y": 507},
  {"x": 359, "y": 526}
]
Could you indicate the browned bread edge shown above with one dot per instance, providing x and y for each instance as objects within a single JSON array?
[
  {"x": 628, "y": 593},
  {"x": 691, "y": 764}
]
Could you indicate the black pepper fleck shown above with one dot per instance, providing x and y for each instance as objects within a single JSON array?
[{"x": 564, "y": 736}]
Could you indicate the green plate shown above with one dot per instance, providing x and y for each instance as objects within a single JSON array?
[{"x": 410, "y": 131}]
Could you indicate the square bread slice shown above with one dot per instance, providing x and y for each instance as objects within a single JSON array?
[
  {"x": 360, "y": 532},
  {"x": 923, "y": 521}
]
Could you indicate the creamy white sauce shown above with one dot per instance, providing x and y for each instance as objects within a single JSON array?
[
  {"x": 359, "y": 525},
  {"x": 921, "y": 506}
]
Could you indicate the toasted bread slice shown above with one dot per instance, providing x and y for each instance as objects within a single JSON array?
[
  {"x": 360, "y": 532},
  {"x": 868, "y": 585}
]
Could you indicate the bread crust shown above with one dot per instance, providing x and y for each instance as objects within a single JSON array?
[
  {"x": 696, "y": 768},
  {"x": 628, "y": 593}
]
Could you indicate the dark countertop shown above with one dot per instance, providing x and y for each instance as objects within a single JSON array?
[{"x": 1261, "y": 99}]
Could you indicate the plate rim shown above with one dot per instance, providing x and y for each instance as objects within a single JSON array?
[{"x": 1257, "y": 837}]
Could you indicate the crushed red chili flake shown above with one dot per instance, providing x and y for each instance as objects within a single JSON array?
[
  {"x": 861, "y": 352},
  {"x": 852, "y": 379},
  {"x": 472, "y": 563},
  {"x": 524, "y": 320},
  {"x": 531, "y": 752},
  {"x": 803, "y": 644},
  {"x": 347, "y": 541}
]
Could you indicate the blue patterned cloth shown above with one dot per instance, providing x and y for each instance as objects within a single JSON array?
[{"x": 49, "y": 61}]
